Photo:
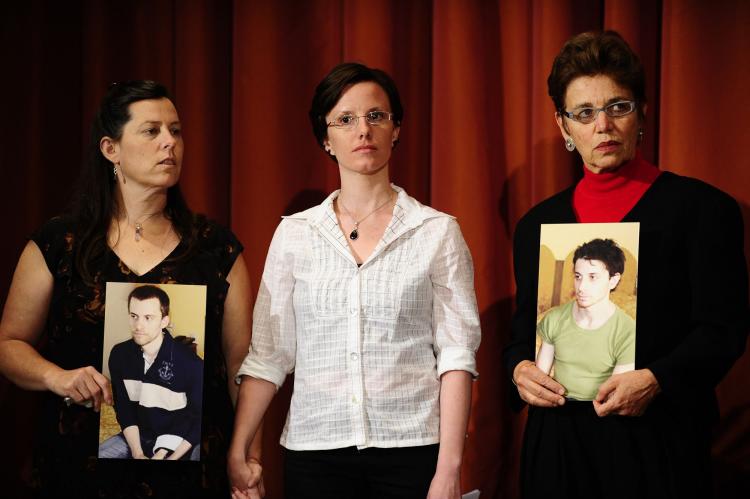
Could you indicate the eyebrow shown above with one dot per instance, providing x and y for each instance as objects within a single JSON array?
[
  {"x": 157, "y": 122},
  {"x": 607, "y": 103},
  {"x": 374, "y": 108}
]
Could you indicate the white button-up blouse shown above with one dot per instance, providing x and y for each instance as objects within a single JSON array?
[{"x": 367, "y": 344}]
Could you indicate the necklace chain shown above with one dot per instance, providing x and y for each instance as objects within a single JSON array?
[
  {"x": 354, "y": 234},
  {"x": 139, "y": 225}
]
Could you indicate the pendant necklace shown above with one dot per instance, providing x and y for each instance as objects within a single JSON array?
[
  {"x": 354, "y": 234},
  {"x": 139, "y": 226}
]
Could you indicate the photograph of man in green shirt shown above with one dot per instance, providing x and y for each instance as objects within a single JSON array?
[{"x": 590, "y": 338}]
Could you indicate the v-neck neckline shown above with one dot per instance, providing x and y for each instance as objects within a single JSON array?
[{"x": 154, "y": 267}]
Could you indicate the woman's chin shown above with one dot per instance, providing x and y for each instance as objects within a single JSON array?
[{"x": 367, "y": 169}]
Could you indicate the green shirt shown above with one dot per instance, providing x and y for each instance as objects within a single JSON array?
[{"x": 585, "y": 358}]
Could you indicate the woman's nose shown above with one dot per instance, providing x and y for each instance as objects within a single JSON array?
[
  {"x": 363, "y": 127},
  {"x": 169, "y": 140},
  {"x": 603, "y": 121}
]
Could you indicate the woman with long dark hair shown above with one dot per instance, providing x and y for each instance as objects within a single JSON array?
[{"x": 128, "y": 222}]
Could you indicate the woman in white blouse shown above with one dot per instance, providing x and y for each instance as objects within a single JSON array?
[{"x": 369, "y": 299}]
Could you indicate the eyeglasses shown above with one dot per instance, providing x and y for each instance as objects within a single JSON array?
[
  {"x": 588, "y": 115},
  {"x": 348, "y": 121}
]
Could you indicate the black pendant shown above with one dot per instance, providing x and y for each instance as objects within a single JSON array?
[{"x": 353, "y": 235}]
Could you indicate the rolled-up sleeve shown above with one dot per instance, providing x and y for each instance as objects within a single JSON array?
[
  {"x": 455, "y": 315},
  {"x": 273, "y": 347}
]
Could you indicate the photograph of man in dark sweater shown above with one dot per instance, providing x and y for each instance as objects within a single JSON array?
[{"x": 157, "y": 385}]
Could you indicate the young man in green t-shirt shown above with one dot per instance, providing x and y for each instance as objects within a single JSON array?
[{"x": 590, "y": 338}]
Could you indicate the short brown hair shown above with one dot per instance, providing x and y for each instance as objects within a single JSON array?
[
  {"x": 149, "y": 291},
  {"x": 597, "y": 53},
  {"x": 329, "y": 90}
]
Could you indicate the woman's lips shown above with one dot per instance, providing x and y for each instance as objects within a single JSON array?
[
  {"x": 609, "y": 146},
  {"x": 364, "y": 149}
]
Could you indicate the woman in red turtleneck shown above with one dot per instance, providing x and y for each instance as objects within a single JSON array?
[{"x": 647, "y": 433}]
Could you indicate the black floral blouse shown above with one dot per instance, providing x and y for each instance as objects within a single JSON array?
[{"x": 66, "y": 444}]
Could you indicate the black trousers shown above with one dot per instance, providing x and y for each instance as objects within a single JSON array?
[{"x": 375, "y": 473}]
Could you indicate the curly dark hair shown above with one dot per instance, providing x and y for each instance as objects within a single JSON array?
[{"x": 606, "y": 251}]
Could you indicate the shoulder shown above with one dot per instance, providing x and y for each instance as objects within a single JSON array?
[
  {"x": 309, "y": 214},
  {"x": 414, "y": 214},
  {"x": 187, "y": 353},
  {"x": 216, "y": 242},
  {"x": 550, "y": 210},
  {"x": 549, "y": 327},
  {"x": 693, "y": 191},
  {"x": 122, "y": 349},
  {"x": 55, "y": 237},
  {"x": 212, "y": 234},
  {"x": 555, "y": 314},
  {"x": 623, "y": 319},
  {"x": 55, "y": 226}
]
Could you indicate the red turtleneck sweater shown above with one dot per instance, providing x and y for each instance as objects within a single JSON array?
[{"x": 608, "y": 197}]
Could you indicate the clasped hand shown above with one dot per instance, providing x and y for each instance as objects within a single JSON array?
[{"x": 246, "y": 479}]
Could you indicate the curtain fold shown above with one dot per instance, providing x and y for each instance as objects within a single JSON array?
[{"x": 478, "y": 140}]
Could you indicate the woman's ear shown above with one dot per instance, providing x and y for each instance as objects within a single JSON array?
[
  {"x": 110, "y": 149},
  {"x": 561, "y": 125}
]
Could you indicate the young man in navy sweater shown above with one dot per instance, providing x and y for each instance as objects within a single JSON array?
[{"x": 157, "y": 385}]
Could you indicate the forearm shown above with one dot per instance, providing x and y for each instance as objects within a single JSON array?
[
  {"x": 180, "y": 451},
  {"x": 133, "y": 438},
  {"x": 256, "y": 446},
  {"x": 520, "y": 347},
  {"x": 254, "y": 397},
  {"x": 455, "y": 404},
  {"x": 22, "y": 364},
  {"x": 232, "y": 387}
]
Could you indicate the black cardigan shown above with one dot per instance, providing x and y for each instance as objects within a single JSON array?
[{"x": 692, "y": 316}]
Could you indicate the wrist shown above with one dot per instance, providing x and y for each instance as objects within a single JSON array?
[
  {"x": 448, "y": 464},
  {"x": 653, "y": 382},
  {"x": 236, "y": 457},
  {"x": 448, "y": 469},
  {"x": 518, "y": 367},
  {"x": 49, "y": 376}
]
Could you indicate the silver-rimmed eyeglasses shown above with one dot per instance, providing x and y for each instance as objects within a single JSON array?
[
  {"x": 347, "y": 121},
  {"x": 588, "y": 115}
]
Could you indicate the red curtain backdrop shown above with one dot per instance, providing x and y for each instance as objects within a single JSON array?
[{"x": 478, "y": 140}]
